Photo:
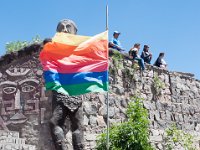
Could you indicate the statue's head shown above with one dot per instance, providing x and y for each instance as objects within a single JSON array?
[{"x": 67, "y": 26}]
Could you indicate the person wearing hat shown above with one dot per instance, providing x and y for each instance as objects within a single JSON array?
[
  {"x": 115, "y": 43},
  {"x": 146, "y": 55}
]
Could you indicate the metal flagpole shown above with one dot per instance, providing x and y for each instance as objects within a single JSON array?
[
  {"x": 107, "y": 17},
  {"x": 107, "y": 135}
]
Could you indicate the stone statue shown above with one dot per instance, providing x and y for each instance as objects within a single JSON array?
[{"x": 67, "y": 110}]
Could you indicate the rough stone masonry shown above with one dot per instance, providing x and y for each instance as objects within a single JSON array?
[{"x": 25, "y": 107}]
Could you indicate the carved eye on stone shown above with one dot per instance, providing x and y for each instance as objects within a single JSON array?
[
  {"x": 28, "y": 88},
  {"x": 9, "y": 90},
  {"x": 68, "y": 26}
]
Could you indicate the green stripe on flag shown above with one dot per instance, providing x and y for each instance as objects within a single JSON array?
[{"x": 77, "y": 89}]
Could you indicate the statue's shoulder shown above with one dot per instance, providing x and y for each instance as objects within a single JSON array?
[{"x": 46, "y": 40}]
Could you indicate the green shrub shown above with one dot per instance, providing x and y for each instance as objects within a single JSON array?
[
  {"x": 15, "y": 46},
  {"x": 117, "y": 59},
  {"x": 158, "y": 85},
  {"x": 175, "y": 137},
  {"x": 132, "y": 134}
]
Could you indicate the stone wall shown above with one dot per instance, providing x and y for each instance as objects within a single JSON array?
[
  {"x": 178, "y": 102},
  {"x": 25, "y": 108}
]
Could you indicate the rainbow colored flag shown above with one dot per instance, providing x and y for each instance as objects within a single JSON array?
[{"x": 75, "y": 64}]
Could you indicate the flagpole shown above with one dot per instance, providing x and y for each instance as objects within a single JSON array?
[
  {"x": 107, "y": 17},
  {"x": 107, "y": 135}
]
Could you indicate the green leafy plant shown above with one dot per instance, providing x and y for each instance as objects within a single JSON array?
[
  {"x": 175, "y": 137},
  {"x": 117, "y": 59},
  {"x": 129, "y": 73},
  {"x": 17, "y": 45},
  {"x": 135, "y": 65},
  {"x": 158, "y": 85},
  {"x": 132, "y": 134}
]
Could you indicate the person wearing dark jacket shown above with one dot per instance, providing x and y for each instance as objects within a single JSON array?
[
  {"x": 146, "y": 55},
  {"x": 160, "y": 62}
]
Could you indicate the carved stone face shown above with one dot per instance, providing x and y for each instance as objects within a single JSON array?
[
  {"x": 20, "y": 95},
  {"x": 23, "y": 95},
  {"x": 67, "y": 26}
]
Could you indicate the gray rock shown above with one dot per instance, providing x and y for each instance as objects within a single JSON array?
[
  {"x": 102, "y": 98},
  {"x": 93, "y": 120},
  {"x": 120, "y": 90},
  {"x": 159, "y": 146},
  {"x": 103, "y": 111},
  {"x": 168, "y": 115},
  {"x": 157, "y": 115},
  {"x": 111, "y": 101},
  {"x": 90, "y": 108},
  {"x": 162, "y": 115},
  {"x": 155, "y": 132},
  {"x": 85, "y": 120},
  {"x": 161, "y": 124},
  {"x": 100, "y": 121},
  {"x": 156, "y": 138},
  {"x": 147, "y": 105},
  {"x": 124, "y": 103},
  {"x": 91, "y": 137},
  {"x": 150, "y": 74},
  {"x": 92, "y": 144}
]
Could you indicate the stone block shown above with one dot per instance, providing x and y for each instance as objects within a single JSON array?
[
  {"x": 163, "y": 115},
  {"x": 100, "y": 121},
  {"x": 156, "y": 115},
  {"x": 93, "y": 120},
  {"x": 188, "y": 126},
  {"x": 92, "y": 144},
  {"x": 91, "y": 137},
  {"x": 168, "y": 115},
  {"x": 150, "y": 74},
  {"x": 147, "y": 88},
  {"x": 156, "y": 138},
  {"x": 103, "y": 111},
  {"x": 111, "y": 101},
  {"x": 167, "y": 91},
  {"x": 161, "y": 124},
  {"x": 124, "y": 103},
  {"x": 90, "y": 108},
  {"x": 159, "y": 146},
  {"x": 155, "y": 132},
  {"x": 117, "y": 102},
  {"x": 197, "y": 128},
  {"x": 159, "y": 105},
  {"x": 147, "y": 105},
  {"x": 180, "y": 116},
  {"x": 186, "y": 118},
  {"x": 102, "y": 98},
  {"x": 185, "y": 108},
  {"x": 191, "y": 110},
  {"x": 151, "y": 116},
  {"x": 178, "y": 108},
  {"x": 154, "y": 124},
  {"x": 120, "y": 90}
]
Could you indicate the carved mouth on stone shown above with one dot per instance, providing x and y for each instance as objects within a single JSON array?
[{"x": 18, "y": 118}]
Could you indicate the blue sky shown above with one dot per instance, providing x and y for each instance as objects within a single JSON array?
[{"x": 170, "y": 26}]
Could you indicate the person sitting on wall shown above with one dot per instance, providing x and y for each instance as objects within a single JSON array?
[
  {"x": 146, "y": 55},
  {"x": 133, "y": 54},
  {"x": 160, "y": 62},
  {"x": 115, "y": 43}
]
